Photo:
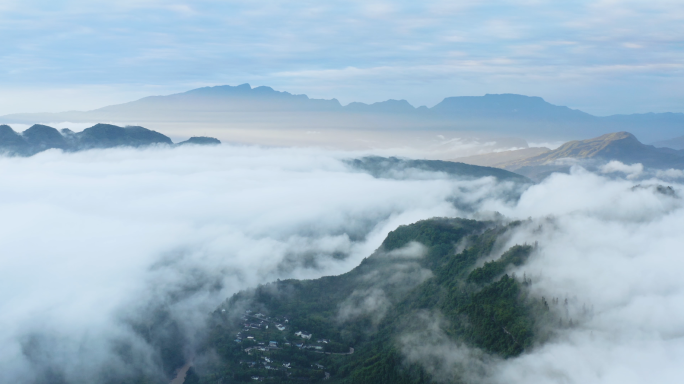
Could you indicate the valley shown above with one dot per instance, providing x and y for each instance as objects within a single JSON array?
[
  {"x": 357, "y": 327},
  {"x": 341, "y": 192}
]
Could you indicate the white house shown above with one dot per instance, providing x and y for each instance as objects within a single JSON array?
[{"x": 303, "y": 335}]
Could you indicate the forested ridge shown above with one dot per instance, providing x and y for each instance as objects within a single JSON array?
[{"x": 358, "y": 322}]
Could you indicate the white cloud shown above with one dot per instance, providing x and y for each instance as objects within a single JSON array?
[
  {"x": 612, "y": 248},
  {"x": 512, "y": 47},
  {"x": 670, "y": 174},
  {"x": 631, "y": 171},
  {"x": 412, "y": 250},
  {"x": 90, "y": 238}
]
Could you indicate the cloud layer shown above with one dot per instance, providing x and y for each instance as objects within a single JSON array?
[
  {"x": 613, "y": 251},
  {"x": 606, "y": 56},
  {"x": 96, "y": 246},
  {"x": 101, "y": 249},
  {"x": 608, "y": 262}
]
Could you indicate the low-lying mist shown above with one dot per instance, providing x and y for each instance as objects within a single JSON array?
[
  {"x": 105, "y": 253},
  {"x": 420, "y": 144},
  {"x": 103, "y": 250},
  {"x": 611, "y": 254},
  {"x": 609, "y": 263}
]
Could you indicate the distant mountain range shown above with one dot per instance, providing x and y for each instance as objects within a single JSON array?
[
  {"x": 620, "y": 146},
  {"x": 675, "y": 143},
  {"x": 520, "y": 166},
  {"x": 263, "y": 107},
  {"x": 39, "y": 138}
]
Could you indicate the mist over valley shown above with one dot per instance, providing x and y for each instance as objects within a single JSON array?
[
  {"x": 138, "y": 247},
  {"x": 376, "y": 192}
]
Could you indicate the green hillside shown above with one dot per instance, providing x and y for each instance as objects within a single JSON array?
[{"x": 359, "y": 324}]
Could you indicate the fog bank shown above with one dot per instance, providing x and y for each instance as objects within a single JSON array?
[
  {"x": 613, "y": 249},
  {"x": 106, "y": 253}
]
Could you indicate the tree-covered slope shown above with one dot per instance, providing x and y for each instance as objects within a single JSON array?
[
  {"x": 393, "y": 167},
  {"x": 426, "y": 279}
]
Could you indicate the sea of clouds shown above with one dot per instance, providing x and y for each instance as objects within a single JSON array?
[
  {"x": 613, "y": 248},
  {"x": 610, "y": 252},
  {"x": 94, "y": 244}
]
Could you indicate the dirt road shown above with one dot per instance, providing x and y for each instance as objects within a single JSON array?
[{"x": 180, "y": 376}]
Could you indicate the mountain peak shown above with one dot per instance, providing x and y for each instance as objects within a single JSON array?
[
  {"x": 220, "y": 90},
  {"x": 200, "y": 140},
  {"x": 388, "y": 106},
  {"x": 621, "y": 146},
  {"x": 507, "y": 106},
  {"x": 108, "y": 135},
  {"x": 603, "y": 146},
  {"x": 6, "y": 130},
  {"x": 614, "y": 136},
  {"x": 514, "y": 96},
  {"x": 42, "y": 137},
  {"x": 12, "y": 142}
]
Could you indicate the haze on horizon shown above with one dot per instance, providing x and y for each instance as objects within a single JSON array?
[
  {"x": 120, "y": 251},
  {"x": 603, "y": 57}
]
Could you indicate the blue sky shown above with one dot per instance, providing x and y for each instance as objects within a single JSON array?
[{"x": 604, "y": 57}]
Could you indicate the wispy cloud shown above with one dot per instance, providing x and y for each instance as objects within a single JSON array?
[{"x": 182, "y": 44}]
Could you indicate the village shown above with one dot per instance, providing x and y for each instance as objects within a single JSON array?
[{"x": 274, "y": 349}]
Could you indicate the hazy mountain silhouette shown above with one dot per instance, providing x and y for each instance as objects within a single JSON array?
[
  {"x": 12, "y": 142},
  {"x": 497, "y": 159},
  {"x": 263, "y": 107},
  {"x": 674, "y": 143},
  {"x": 620, "y": 146},
  {"x": 508, "y": 106},
  {"x": 200, "y": 140},
  {"x": 39, "y": 138},
  {"x": 108, "y": 136}
]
